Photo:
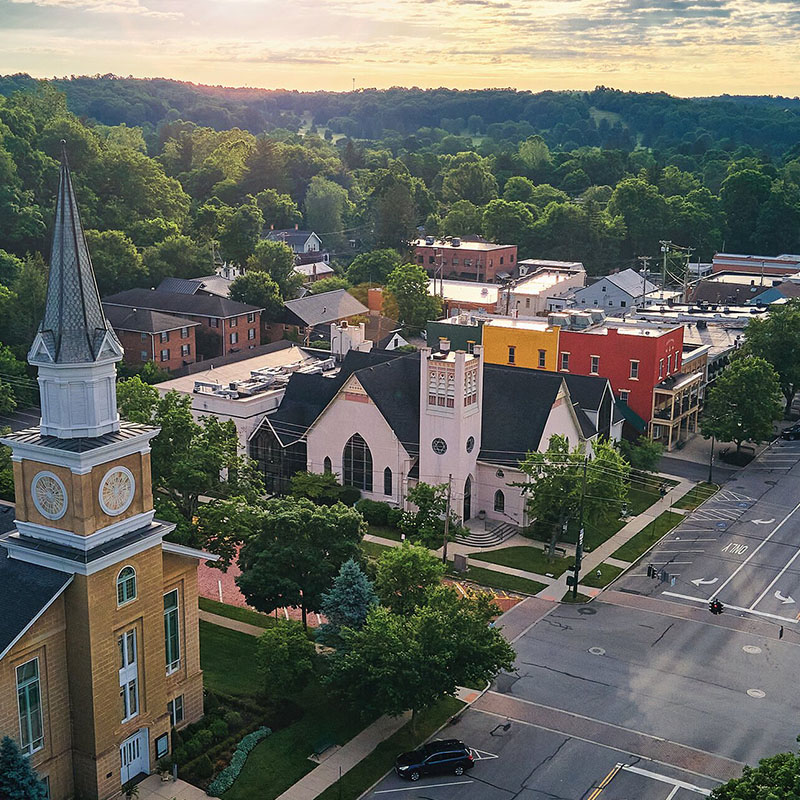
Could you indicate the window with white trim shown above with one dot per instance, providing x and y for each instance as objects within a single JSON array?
[
  {"x": 251, "y": 333},
  {"x": 184, "y": 333},
  {"x": 175, "y": 709},
  {"x": 185, "y": 349},
  {"x": 29, "y": 703},
  {"x": 624, "y": 395},
  {"x": 234, "y": 337},
  {"x": 164, "y": 336},
  {"x": 594, "y": 366},
  {"x": 251, "y": 317},
  {"x": 660, "y": 367},
  {"x": 634, "y": 370},
  {"x": 145, "y": 355},
  {"x": 172, "y": 639},
  {"x": 126, "y": 585},
  {"x": 542, "y": 359},
  {"x": 565, "y": 362},
  {"x": 165, "y": 355},
  {"x": 128, "y": 674}
]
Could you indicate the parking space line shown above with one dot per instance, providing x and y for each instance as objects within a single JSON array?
[
  {"x": 664, "y": 779},
  {"x": 418, "y": 786}
]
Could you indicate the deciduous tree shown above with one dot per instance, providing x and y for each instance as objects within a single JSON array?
[
  {"x": 285, "y": 658},
  {"x": 258, "y": 289},
  {"x": 373, "y": 267},
  {"x": 404, "y": 575},
  {"x": 409, "y": 286}
]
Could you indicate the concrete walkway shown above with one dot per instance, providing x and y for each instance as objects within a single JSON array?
[
  {"x": 153, "y": 788},
  {"x": 232, "y": 624}
]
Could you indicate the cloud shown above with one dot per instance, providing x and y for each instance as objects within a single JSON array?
[{"x": 103, "y": 7}]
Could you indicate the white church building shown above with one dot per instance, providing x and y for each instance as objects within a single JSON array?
[{"x": 389, "y": 421}]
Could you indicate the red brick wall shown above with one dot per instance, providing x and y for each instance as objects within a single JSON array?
[
  {"x": 484, "y": 264},
  {"x": 135, "y": 345},
  {"x": 616, "y": 352}
]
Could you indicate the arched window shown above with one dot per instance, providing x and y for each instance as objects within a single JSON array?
[
  {"x": 387, "y": 481},
  {"x": 467, "y": 499},
  {"x": 499, "y": 501},
  {"x": 326, "y": 465},
  {"x": 126, "y": 585},
  {"x": 357, "y": 463}
]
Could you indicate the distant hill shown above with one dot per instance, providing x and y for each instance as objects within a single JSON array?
[{"x": 567, "y": 120}]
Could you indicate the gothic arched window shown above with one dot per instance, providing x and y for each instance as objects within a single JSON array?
[{"x": 357, "y": 463}]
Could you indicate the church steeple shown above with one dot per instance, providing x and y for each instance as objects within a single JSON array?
[{"x": 75, "y": 348}]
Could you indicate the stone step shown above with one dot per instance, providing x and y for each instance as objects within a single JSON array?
[{"x": 490, "y": 538}]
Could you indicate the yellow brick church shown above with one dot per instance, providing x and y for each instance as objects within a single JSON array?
[{"x": 99, "y": 648}]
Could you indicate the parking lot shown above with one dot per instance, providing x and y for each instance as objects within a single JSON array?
[{"x": 531, "y": 763}]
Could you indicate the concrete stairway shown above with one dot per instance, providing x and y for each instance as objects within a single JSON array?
[{"x": 490, "y": 538}]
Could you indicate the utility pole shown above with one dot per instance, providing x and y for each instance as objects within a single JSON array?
[
  {"x": 447, "y": 518},
  {"x": 579, "y": 547},
  {"x": 665, "y": 250},
  {"x": 645, "y": 262},
  {"x": 711, "y": 462}
]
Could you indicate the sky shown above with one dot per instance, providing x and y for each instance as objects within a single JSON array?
[{"x": 685, "y": 47}]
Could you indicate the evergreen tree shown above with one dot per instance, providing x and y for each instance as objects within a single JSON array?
[
  {"x": 347, "y": 603},
  {"x": 18, "y": 779}
]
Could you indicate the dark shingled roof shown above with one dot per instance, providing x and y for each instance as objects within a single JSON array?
[
  {"x": 73, "y": 327},
  {"x": 306, "y": 396},
  {"x": 79, "y": 444},
  {"x": 25, "y": 592},
  {"x": 7, "y": 519},
  {"x": 317, "y": 309},
  {"x": 200, "y": 305},
  {"x": 586, "y": 390},
  {"x": 289, "y": 236},
  {"x": 142, "y": 320}
]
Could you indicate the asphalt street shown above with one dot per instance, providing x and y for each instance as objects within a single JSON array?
[{"x": 742, "y": 546}]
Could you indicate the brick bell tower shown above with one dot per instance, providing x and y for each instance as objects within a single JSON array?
[{"x": 84, "y": 505}]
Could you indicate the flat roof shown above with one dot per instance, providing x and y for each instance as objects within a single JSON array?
[
  {"x": 238, "y": 371},
  {"x": 465, "y": 245},
  {"x": 465, "y": 291},
  {"x": 520, "y": 324},
  {"x": 540, "y": 282},
  {"x": 743, "y": 278},
  {"x": 546, "y": 262}
]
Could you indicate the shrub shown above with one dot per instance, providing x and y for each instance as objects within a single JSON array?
[
  {"x": 349, "y": 495},
  {"x": 205, "y": 738},
  {"x": 204, "y": 768},
  {"x": 393, "y": 517},
  {"x": 210, "y": 702},
  {"x": 193, "y": 748},
  {"x": 375, "y": 513},
  {"x": 226, "y": 778},
  {"x": 176, "y": 738},
  {"x": 234, "y": 720},
  {"x": 219, "y": 729},
  {"x": 180, "y": 755}
]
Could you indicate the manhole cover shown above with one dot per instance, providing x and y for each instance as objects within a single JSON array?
[
  {"x": 752, "y": 649},
  {"x": 587, "y": 612},
  {"x": 757, "y": 693},
  {"x": 599, "y": 651}
]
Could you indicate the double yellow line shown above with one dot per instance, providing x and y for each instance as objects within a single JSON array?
[{"x": 602, "y": 785}]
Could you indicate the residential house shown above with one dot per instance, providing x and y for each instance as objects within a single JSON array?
[
  {"x": 225, "y": 325},
  {"x": 99, "y": 641},
  {"x": 145, "y": 335},
  {"x": 611, "y": 293},
  {"x": 302, "y": 243},
  {"x": 461, "y": 258},
  {"x": 310, "y": 316}
]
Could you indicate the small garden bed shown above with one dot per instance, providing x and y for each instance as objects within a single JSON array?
[
  {"x": 240, "y": 614},
  {"x": 497, "y": 580}
]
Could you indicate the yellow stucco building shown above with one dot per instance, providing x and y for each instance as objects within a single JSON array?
[{"x": 528, "y": 343}]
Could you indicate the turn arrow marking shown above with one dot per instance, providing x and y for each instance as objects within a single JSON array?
[
  {"x": 784, "y": 600},
  {"x": 762, "y": 521},
  {"x": 704, "y": 582}
]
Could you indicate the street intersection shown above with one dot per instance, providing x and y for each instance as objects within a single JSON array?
[{"x": 643, "y": 694}]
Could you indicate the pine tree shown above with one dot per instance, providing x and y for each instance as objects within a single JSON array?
[
  {"x": 18, "y": 780},
  {"x": 347, "y": 603}
]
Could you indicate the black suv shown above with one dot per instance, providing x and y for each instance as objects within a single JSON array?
[
  {"x": 792, "y": 432},
  {"x": 438, "y": 756}
]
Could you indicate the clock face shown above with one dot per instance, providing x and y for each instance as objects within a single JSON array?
[
  {"x": 49, "y": 495},
  {"x": 116, "y": 490}
]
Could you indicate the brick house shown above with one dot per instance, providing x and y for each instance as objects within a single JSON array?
[
  {"x": 99, "y": 631},
  {"x": 152, "y": 336},
  {"x": 458, "y": 258},
  {"x": 225, "y": 325}
]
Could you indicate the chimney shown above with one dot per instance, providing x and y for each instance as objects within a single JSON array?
[{"x": 444, "y": 345}]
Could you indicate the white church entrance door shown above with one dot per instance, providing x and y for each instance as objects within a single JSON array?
[{"x": 134, "y": 756}]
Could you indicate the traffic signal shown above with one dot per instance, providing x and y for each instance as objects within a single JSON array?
[
  {"x": 651, "y": 571},
  {"x": 716, "y": 607}
]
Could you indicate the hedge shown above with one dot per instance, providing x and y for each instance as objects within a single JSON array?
[{"x": 228, "y": 776}]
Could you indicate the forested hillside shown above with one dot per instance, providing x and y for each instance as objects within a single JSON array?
[{"x": 169, "y": 173}]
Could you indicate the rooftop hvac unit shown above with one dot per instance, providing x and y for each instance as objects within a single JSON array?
[
  {"x": 429, "y": 240},
  {"x": 456, "y": 242},
  {"x": 580, "y": 320},
  {"x": 597, "y": 315}
]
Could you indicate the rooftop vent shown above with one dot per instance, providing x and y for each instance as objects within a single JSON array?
[
  {"x": 444, "y": 345},
  {"x": 456, "y": 242},
  {"x": 429, "y": 240}
]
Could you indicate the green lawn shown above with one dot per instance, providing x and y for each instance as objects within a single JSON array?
[
  {"x": 498, "y": 580},
  {"x": 228, "y": 660},
  {"x": 385, "y": 533},
  {"x": 647, "y": 537},
  {"x": 373, "y": 549},
  {"x": 607, "y": 574},
  {"x": 696, "y": 495},
  {"x": 237, "y": 613},
  {"x": 381, "y": 759},
  {"x": 530, "y": 559},
  {"x": 581, "y": 598}
]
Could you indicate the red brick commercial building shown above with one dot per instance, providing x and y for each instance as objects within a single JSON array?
[
  {"x": 644, "y": 363},
  {"x": 225, "y": 325},
  {"x": 457, "y": 258},
  {"x": 152, "y": 336},
  {"x": 785, "y": 264}
]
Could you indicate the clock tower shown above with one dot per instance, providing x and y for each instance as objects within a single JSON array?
[{"x": 84, "y": 506}]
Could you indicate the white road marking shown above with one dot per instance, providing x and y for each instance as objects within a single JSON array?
[
  {"x": 784, "y": 600},
  {"x": 482, "y": 755},
  {"x": 418, "y": 786},
  {"x": 736, "y": 549},
  {"x": 763, "y": 521},
  {"x": 672, "y": 781},
  {"x": 776, "y": 579},
  {"x": 761, "y": 544},
  {"x": 704, "y": 582},
  {"x": 673, "y": 792},
  {"x": 703, "y": 601}
]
